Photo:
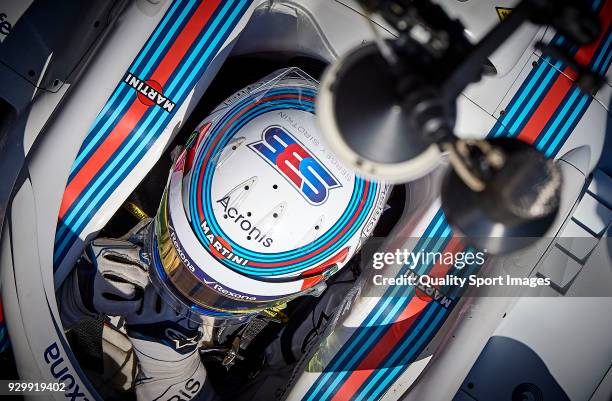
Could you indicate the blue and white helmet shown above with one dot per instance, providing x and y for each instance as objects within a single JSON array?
[{"x": 257, "y": 210}]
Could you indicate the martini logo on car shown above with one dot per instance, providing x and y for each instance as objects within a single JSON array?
[
  {"x": 296, "y": 164},
  {"x": 150, "y": 92}
]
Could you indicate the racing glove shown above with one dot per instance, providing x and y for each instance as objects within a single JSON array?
[
  {"x": 109, "y": 278},
  {"x": 165, "y": 340}
]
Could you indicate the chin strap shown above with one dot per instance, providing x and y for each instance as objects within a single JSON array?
[
  {"x": 251, "y": 330},
  {"x": 244, "y": 338}
]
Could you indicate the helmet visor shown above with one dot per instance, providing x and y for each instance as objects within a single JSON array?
[{"x": 174, "y": 273}]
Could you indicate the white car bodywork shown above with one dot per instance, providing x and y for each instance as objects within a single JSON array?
[{"x": 324, "y": 30}]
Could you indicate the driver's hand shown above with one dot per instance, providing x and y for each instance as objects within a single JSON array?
[
  {"x": 172, "y": 326},
  {"x": 109, "y": 279},
  {"x": 165, "y": 340}
]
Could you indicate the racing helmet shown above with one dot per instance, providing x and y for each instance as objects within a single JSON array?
[{"x": 257, "y": 210}]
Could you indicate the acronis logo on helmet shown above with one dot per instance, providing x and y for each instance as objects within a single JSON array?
[{"x": 296, "y": 164}]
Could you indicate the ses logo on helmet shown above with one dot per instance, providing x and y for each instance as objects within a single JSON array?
[{"x": 296, "y": 164}]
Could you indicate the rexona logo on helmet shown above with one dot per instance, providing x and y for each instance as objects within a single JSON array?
[{"x": 257, "y": 210}]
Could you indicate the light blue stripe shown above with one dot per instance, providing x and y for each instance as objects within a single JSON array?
[
  {"x": 441, "y": 314},
  {"x": 372, "y": 380},
  {"x": 332, "y": 232},
  {"x": 383, "y": 307},
  {"x": 355, "y": 198},
  {"x": 361, "y": 334},
  {"x": 398, "y": 353},
  {"x": 133, "y": 138},
  {"x": 202, "y": 59},
  {"x": 131, "y": 95},
  {"x": 96, "y": 139},
  {"x": 568, "y": 124},
  {"x": 150, "y": 42},
  {"x": 394, "y": 290},
  {"x": 372, "y": 319},
  {"x": 567, "y": 106},
  {"x": 400, "y": 368},
  {"x": 534, "y": 98},
  {"x": 166, "y": 39},
  {"x": 603, "y": 52},
  {"x": 549, "y": 132},
  {"x": 107, "y": 106},
  {"x": 68, "y": 219},
  {"x": 386, "y": 299},
  {"x": 557, "y": 121},
  {"x": 400, "y": 302},
  {"x": 545, "y": 63},
  {"x": 603, "y": 69},
  {"x": 521, "y": 98},
  {"x": 606, "y": 64},
  {"x": 146, "y": 49},
  {"x": 596, "y": 4},
  {"x": 389, "y": 317},
  {"x": 213, "y": 224},
  {"x": 387, "y": 380},
  {"x": 373, "y": 337}
]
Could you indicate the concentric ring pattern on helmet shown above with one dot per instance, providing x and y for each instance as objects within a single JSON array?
[{"x": 257, "y": 207}]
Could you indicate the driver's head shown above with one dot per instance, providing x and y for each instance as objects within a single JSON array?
[{"x": 257, "y": 211}]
